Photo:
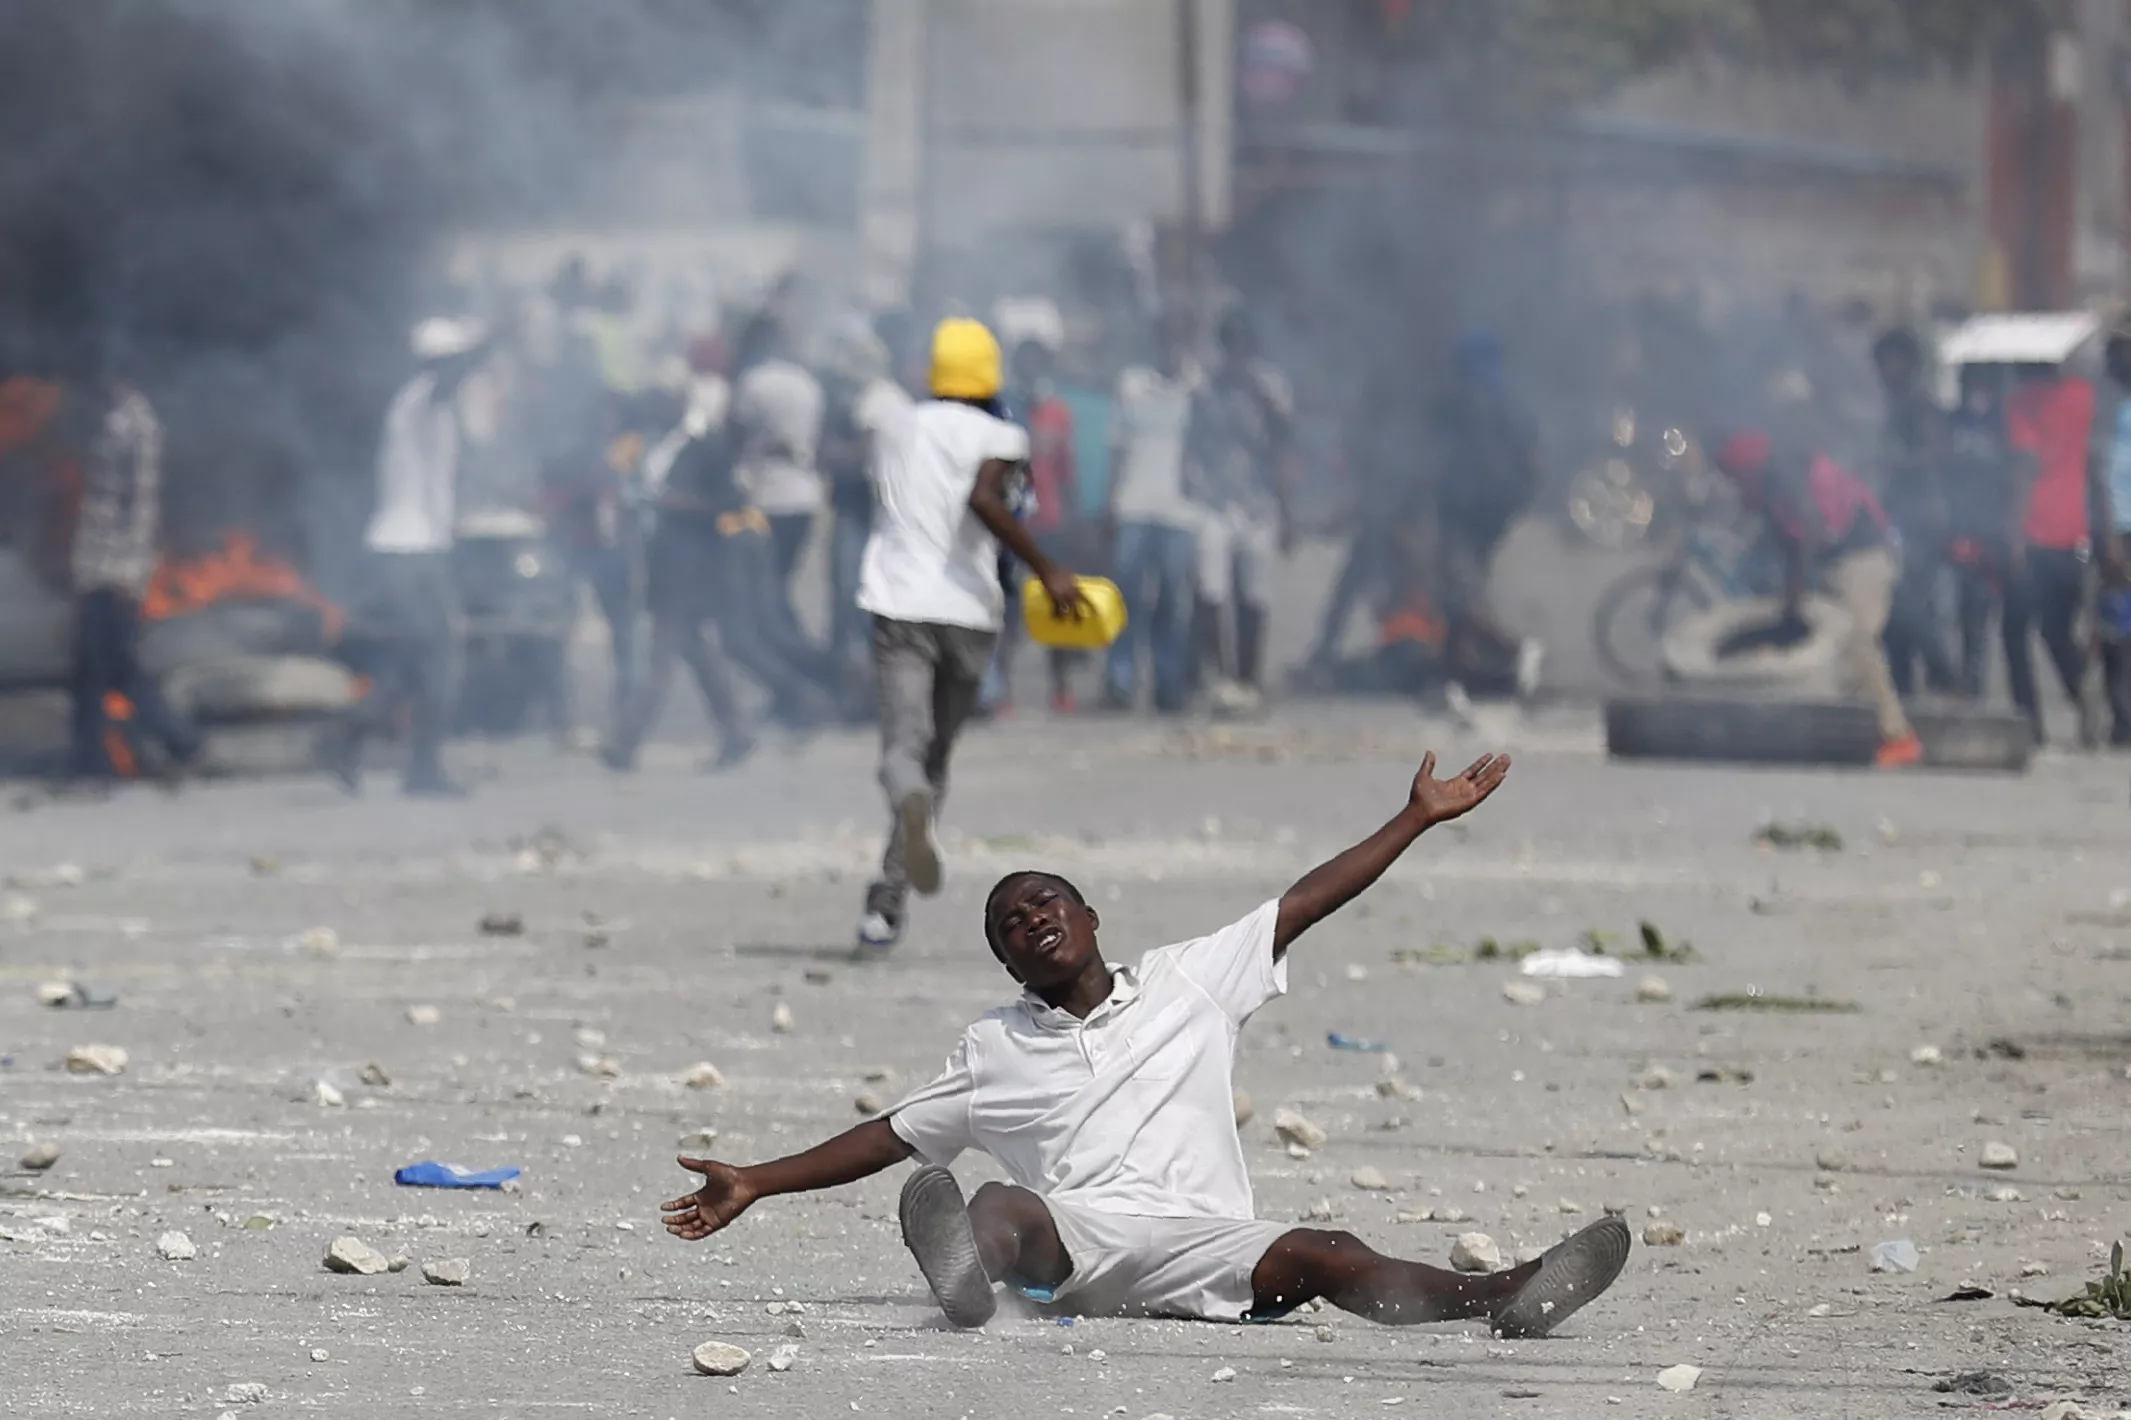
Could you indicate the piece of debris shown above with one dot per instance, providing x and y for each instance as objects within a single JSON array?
[
  {"x": 1998, "y": 1155},
  {"x": 715, "y": 1358},
  {"x": 502, "y": 924},
  {"x": 818, "y": 975},
  {"x": 1898, "y": 1255},
  {"x": 355, "y": 1255},
  {"x": 96, "y": 1060},
  {"x": 1832, "y": 1159},
  {"x": 1369, "y": 1179},
  {"x": 1245, "y": 1110},
  {"x": 1568, "y": 964},
  {"x": 326, "y": 1095},
  {"x": 245, "y": 1393},
  {"x": 1226, "y": 1373},
  {"x": 700, "y": 1142},
  {"x": 423, "y": 1015},
  {"x": 1475, "y": 1252},
  {"x": 1491, "y": 950},
  {"x": 400, "y": 1263},
  {"x": 781, "y": 1019},
  {"x": 448, "y": 1271},
  {"x": 318, "y": 942},
  {"x": 2004, "y": 1193},
  {"x": 375, "y": 1077},
  {"x": 1820, "y": 837},
  {"x": 1723, "y": 1075},
  {"x": 1394, "y": 1087},
  {"x": 782, "y": 1358},
  {"x": 1523, "y": 993},
  {"x": 1297, "y": 1131},
  {"x": 17, "y": 909},
  {"x": 1569, "y": 1205},
  {"x": 1657, "y": 1077},
  {"x": 1679, "y": 1379},
  {"x": 1656, "y": 948},
  {"x": 1319, "y": 1212},
  {"x": 868, "y": 1104},
  {"x": 1926, "y": 1056},
  {"x": 703, "y": 1077},
  {"x": 599, "y": 1067},
  {"x": 1339, "y": 1040},
  {"x": 176, "y": 1247},
  {"x": 1664, "y": 1235},
  {"x": 1652, "y": 990},
  {"x": 2003, "y": 1048},
  {"x": 1752, "y": 1000},
  {"x": 1969, "y": 1294},
  {"x": 430, "y": 1174},
  {"x": 589, "y": 1038},
  {"x": 1982, "y": 1384},
  {"x": 40, "y": 1157}
]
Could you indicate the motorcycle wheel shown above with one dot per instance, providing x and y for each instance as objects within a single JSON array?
[
  {"x": 1628, "y": 625},
  {"x": 1611, "y": 505}
]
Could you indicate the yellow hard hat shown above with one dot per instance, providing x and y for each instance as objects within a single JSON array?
[{"x": 965, "y": 360}]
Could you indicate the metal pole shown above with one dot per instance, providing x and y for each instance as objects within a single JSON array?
[{"x": 1188, "y": 146}]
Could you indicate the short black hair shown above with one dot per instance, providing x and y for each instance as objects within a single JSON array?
[
  {"x": 991, "y": 899},
  {"x": 1900, "y": 343}
]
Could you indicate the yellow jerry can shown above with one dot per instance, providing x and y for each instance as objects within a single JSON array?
[{"x": 1103, "y": 623}]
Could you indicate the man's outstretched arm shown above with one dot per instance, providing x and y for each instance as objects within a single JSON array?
[
  {"x": 1332, "y": 885},
  {"x": 727, "y": 1191}
]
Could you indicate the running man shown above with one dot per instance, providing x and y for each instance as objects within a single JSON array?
[{"x": 1105, "y": 1095}]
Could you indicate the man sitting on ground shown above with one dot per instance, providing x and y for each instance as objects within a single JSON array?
[{"x": 1105, "y": 1094}]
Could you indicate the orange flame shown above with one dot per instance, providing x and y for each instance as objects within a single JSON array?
[{"x": 236, "y": 570}]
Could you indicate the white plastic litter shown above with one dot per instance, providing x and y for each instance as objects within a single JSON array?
[{"x": 1568, "y": 963}]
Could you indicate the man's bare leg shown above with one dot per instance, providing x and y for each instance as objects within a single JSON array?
[
  {"x": 1339, "y": 1267},
  {"x": 1016, "y": 1238}
]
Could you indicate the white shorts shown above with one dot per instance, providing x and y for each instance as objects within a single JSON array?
[
  {"x": 1236, "y": 552},
  {"x": 1124, "y": 1264}
]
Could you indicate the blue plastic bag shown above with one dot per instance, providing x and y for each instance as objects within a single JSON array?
[{"x": 434, "y": 1175}]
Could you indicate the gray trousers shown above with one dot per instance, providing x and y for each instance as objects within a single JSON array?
[{"x": 927, "y": 678}]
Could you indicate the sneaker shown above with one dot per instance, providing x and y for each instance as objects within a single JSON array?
[
  {"x": 936, "y": 1230},
  {"x": 1065, "y": 703},
  {"x": 1899, "y": 753},
  {"x": 1233, "y": 700},
  {"x": 1531, "y": 657},
  {"x": 921, "y": 851},
  {"x": 878, "y": 932},
  {"x": 1571, "y": 1274}
]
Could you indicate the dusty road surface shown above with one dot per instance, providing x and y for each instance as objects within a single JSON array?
[{"x": 1977, "y": 926}]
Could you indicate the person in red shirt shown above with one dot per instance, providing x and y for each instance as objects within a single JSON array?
[
  {"x": 1829, "y": 523},
  {"x": 2049, "y": 417}
]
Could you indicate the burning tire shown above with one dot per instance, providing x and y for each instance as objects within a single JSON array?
[
  {"x": 1814, "y": 666},
  {"x": 245, "y": 688},
  {"x": 261, "y": 627},
  {"x": 1804, "y": 731}
]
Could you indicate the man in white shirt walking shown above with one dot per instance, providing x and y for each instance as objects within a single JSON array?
[
  {"x": 1154, "y": 525},
  {"x": 409, "y": 540},
  {"x": 778, "y": 407},
  {"x": 930, "y": 579}
]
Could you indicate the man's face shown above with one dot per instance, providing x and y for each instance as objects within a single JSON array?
[
  {"x": 1044, "y": 936},
  {"x": 1896, "y": 371}
]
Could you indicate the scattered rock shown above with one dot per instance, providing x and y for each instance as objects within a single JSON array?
[
  {"x": 1831, "y": 1159},
  {"x": 782, "y": 1358},
  {"x": 589, "y": 1039},
  {"x": 1653, "y": 989},
  {"x": 374, "y": 1076},
  {"x": 318, "y": 942},
  {"x": 502, "y": 924},
  {"x": 245, "y": 1393},
  {"x": 2004, "y": 1194},
  {"x": 356, "y": 1256},
  {"x": 17, "y": 909},
  {"x": 423, "y": 1015},
  {"x": 1325, "y": 1333},
  {"x": 1369, "y": 1179},
  {"x": 1570, "y": 1205},
  {"x": 320, "y": 1354},
  {"x": 1977, "y": 1383},
  {"x": 1664, "y": 1235},
  {"x": 400, "y": 1263},
  {"x": 96, "y": 1060},
  {"x": 1226, "y": 1373},
  {"x": 176, "y": 1247},
  {"x": 1245, "y": 1110},
  {"x": 1296, "y": 1130},
  {"x": 2034, "y": 1269},
  {"x": 2064, "y": 1410},
  {"x": 1998, "y": 1155},
  {"x": 1319, "y": 1212},
  {"x": 326, "y": 1095},
  {"x": 1523, "y": 993},
  {"x": 1475, "y": 1252},
  {"x": 781, "y": 1019},
  {"x": 1679, "y": 1379},
  {"x": 1927, "y": 1056},
  {"x": 40, "y": 1157},
  {"x": 54, "y": 994},
  {"x": 1898, "y": 1255},
  {"x": 1657, "y": 1077},
  {"x": 448, "y": 1271},
  {"x": 868, "y": 1104},
  {"x": 599, "y": 1067},
  {"x": 715, "y": 1358},
  {"x": 700, "y": 1142},
  {"x": 705, "y": 1076}
]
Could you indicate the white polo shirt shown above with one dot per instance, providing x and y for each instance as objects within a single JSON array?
[{"x": 1130, "y": 1111}]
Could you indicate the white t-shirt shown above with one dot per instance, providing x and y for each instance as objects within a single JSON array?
[
  {"x": 779, "y": 406},
  {"x": 929, "y": 559},
  {"x": 1130, "y": 1111},
  {"x": 417, "y": 472},
  {"x": 1147, "y": 429},
  {"x": 880, "y": 401}
]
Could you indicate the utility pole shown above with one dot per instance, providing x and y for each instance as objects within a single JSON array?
[{"x": 1189, "y": 148}]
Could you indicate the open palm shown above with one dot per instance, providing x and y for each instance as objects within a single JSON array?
[
  {"x": 1441, "y": 800},
  {"x": 724, "y": 1196}
]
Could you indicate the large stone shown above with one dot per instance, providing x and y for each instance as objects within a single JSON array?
[
  {"x": 40, "y": 1157},
  {"x": 715, "y": 1358},
  {"x": 96, "y": 1060},
  {"x": 356, "y": 1256},
  {"x": 1999, "y": 1155},
  {"x": 447, "y": 1271},
  {"x": 1664, "y": 1235},
  {"x": 1679, "y": 1379},
  {"x": 423, "y": 1015},
  {"x": 1653, "y": 990},
  {"x": 704, "y": 1076},
  {"x": 176, "y": 1247},
  {"x": 1296, "y": 1130},
  {"x": 1475, "y": 1252},
  {"x": 1369, "y": 1179},
  {"x": 1523, "y": 993},
  {"x": 781, "y": 1019}
]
